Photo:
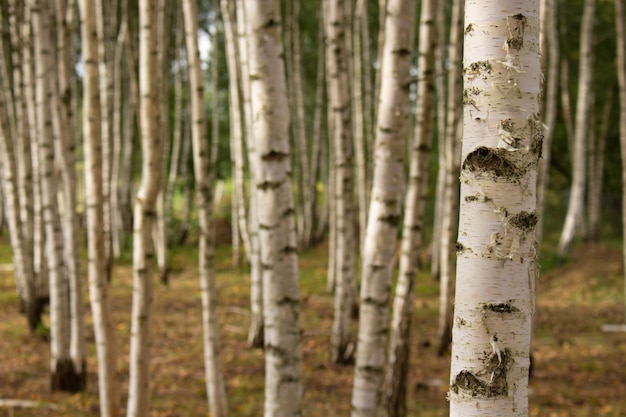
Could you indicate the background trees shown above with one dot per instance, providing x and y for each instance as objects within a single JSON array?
[{"x": 336, "y": 85}]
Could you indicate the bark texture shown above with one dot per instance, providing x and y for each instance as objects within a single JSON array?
[
  {"x": 145, "y": 216},
  {"x": 392, "y": 128},
  {"x": 496, "y": 267},
  {"x": 216, "y": 390},
  {"x": 395, "y": 388},
  {"x": 275, "y": 211},
  {"x": 97, "y": 268}
]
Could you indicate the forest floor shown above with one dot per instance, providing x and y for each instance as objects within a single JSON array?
[{"x": 579, "y": 370}]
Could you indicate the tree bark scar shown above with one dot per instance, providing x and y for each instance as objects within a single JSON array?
[{"x": 496, "y": 385}]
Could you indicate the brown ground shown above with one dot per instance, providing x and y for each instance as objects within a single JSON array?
[{"x": 578, "y": 370}]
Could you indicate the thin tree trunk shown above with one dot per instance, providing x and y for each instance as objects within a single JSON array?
[
  {"x": 144, "y": 215},
  {"x": 596, "y": 166},
  {"x": 97, "y": 268},
  {"x": 65, "y": 144},
  {"x": 550, "y": 63},
  {"x": 358, "y": 117},
  {"x": 65, "y": 374},
  {"x": 396, "y": 387},
  {"x": 339, "y": 101},
  {"x": 236, "y": 135},
  {"x": 496, "y": 248},
  {"x": 450, "y": 209},
  {"x": 275, "y": 211},
  {"x": 385, "y": 209},
  {"x": 216, "y": 391},
  {"x": 620, "y": 23},
  {"x": 255, "y": 331},
  {"x": 575, "y": 204}
]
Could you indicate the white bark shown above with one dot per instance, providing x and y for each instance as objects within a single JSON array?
[
  {"x": 496, "y": 249},
  {"x": 450, "y": 193},
  {"x": 98, "y": 286},
  {"x": 275, "y": 211},
  {"x": 392, "y": 128},
  {"x": 145, "y": 215},
  {"x": 216, "y": 391},
  {"x": 550, "y": 66},
  {"x": 395, "y": 394},
  {"x": 344, "y": 216},
  {"x": 576, "y": 201}
]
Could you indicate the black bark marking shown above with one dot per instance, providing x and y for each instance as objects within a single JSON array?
[
  {"x": 491, "y": 161},
  {"x": 274, "y": 156},
  {"x": 497, "y": 386},
  {"x": 501, "y": 307},
  {"x": 524, "y": 221}
]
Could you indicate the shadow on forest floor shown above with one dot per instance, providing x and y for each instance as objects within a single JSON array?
[{"x": 578, "y": 369}]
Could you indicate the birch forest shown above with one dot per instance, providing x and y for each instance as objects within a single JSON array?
[{"x": 373, "y": 208}]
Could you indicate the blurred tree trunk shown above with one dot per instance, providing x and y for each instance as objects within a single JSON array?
[
  {"x": 64, "y": 128},
  {"x": 344, "y": 217},
  {"x": 550, "y": 66},
  {"x": 17, "y": 198},
  {"x": 145, "y": 213},
  {"x": 440, "y": 87},
  {"x": 392, "y": 126},
  {"x": 620, "y": 23},
  {"x": 255, "y": 332},
  {"x": 104, "y": 21},
  {"x": 396, "y": 388},
  {"x": 450, "y": 203},
  {"x": 496, "y": 247},
  {"x": 66, "y": 374},
  {"x": 275, "y": 211},
  {"x": 94, "y": 181},
  {"x": 239, "y": 216},
  {"x": 40, "y": 265},
  {"x": 576, "y": 201},
  {"x": 203, "y": 172},
  {"x": 597, "y": 145},
  {"x": 358, "y": 115}
]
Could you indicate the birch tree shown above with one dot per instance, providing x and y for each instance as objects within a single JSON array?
[
  {"x": 216, "y": 391},
  {"x": 67, "y": 374},
  {"x": 496, "y": 267},
  {"x": 450, "y": 194},
  {"x": 144, "y": 215},
  {"x": 94, "y": 179},
  {"x": 385, "y": 209},
  {"x": 344, "y": 216},
  {"x": 575, "y": 206},
  {"x": 275, "y": 211},
  {"x": 395, "y": 387}
]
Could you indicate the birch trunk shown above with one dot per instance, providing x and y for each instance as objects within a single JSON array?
[
  {"x": 576, "y": 201},
  {"x": 216, "y": 391},
  {"x": 496, "y": 243},
  {"x": 550, "y": 65},
  {"x": 15, "y": 164},
  {"x": 385, "y": 209},
  {"x": 144, "y": 215},
  {"x": 275, "y": 211},
  {"x": 345, "y": 244},
  {"x": 395, "y": 388},
  {"x": 65, "y": 144},
  {"x": 255, "y": 331},
  {"x": 66, "y": 375},
  {"x": 236, "y": 134},
  {"x": 597, "y": 140},
  {"x": 620, "y": 23},
  {"x": 358, "y": 116},
  {"x": 97, "y": 268},
  {"x": 450, "y": 203}
]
